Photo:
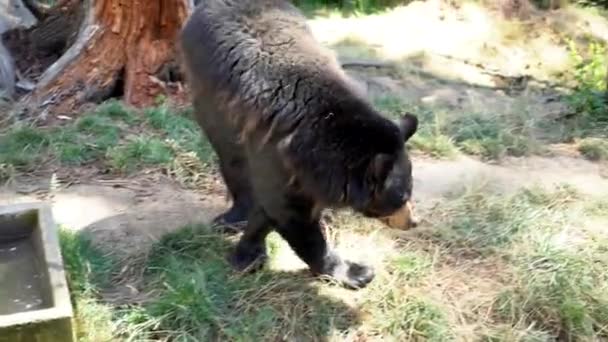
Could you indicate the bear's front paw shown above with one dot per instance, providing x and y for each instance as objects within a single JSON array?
[
  {"x": 358, "y": 275},
  {"x": 227, "y": 225},
  {"x": 248, "y": 258},
  {"x": 352, "y": 275}
]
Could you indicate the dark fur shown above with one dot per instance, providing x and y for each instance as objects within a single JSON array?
[{"x": 292, "y": 133}]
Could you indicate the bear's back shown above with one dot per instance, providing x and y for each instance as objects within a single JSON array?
[{"x": 263, "y": 62}]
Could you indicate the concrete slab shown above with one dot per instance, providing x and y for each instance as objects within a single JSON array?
[{"x": 35, "y": 302}]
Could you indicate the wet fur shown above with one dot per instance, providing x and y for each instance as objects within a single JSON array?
[{"x": 292, "y": 132}]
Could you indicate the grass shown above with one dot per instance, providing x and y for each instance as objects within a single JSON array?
[
  {"x": 588, "y": 99},
  {"x": 139, "y": 153},
  {"x": 357, "y": 7},
  {"x": 489, "y": 266},
  {"x": 558, "y": 283},
  {"x": 562, "y": 289},
  {"x": 430, "y": 138},
  {"x": 485, "y": 266},
  {"x": 112, "y": 134},
  {"x": 495, "y": 267},
  {"x": 490, "y": 136},
  {"x": 182, "y": 129},
  {"x": 594, "y": 148},
  {"x": 202, "y": 300},
  {"x": 198, "y": 298},
  {"x": 89, "y": 271}
]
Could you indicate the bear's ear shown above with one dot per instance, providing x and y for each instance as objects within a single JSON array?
[
  {"x": 357, "y": 194},
  {"x": 408, "y": 124},
  {"x": 381, "y": 166}
]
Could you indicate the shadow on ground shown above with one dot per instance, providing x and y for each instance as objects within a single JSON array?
[{"x": 183, "y": 287}]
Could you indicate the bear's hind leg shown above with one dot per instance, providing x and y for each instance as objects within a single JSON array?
[
  {"x": 307, "y": 240},
  {"x": 234, "y": 170},
  {"x": 250, "y": 252},
  {"x": 233, "y": 165}
]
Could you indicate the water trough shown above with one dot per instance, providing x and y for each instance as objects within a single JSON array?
[{"x": 34, "y": 298}]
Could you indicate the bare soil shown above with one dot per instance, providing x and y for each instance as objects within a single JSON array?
[{"x": 127, "y": 216}]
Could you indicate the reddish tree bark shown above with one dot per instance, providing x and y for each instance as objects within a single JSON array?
[{"x": 121, "y": 47}]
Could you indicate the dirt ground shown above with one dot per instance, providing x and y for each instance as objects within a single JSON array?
[{"x": 130, "y": 215}]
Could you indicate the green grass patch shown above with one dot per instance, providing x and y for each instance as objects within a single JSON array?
[
  {"x": 490, "y": 136},
  {"x": 486, "y": 222},
  {"x": 23, "y": 146},
  {"x": 430, "y": 138},
  {"x": 86, "y": 140},
  {"x": 356, "y": 7},
  {"x": 143, "y": 151},
  {"x": 180, "y": 127},
  {"x": 406, "y": 317},
  {"x": 88, "y": 268},
  {"x": 594, "y": 148},
  {"x": 397, "y": 310},
  {"x": 105, "y": 135},
  {"x": 116, "y": 110},
  {"x": 83, "y": 141},
  {"x": 554, "y": 268},
  {"x": 88, "y": 271},
  {"x": 409, "y": 267},
  {"x": 559, "y": 285},
  {"x": 589, "y": 99},
  {"x": 199, "y": 298},
  {"x": 562, "y": 289},
  {"x": 196, "y": 296},
  {"x": 494, "y": 136}
]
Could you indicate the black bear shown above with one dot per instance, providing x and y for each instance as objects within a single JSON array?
[{"x": 292, "y": 134}]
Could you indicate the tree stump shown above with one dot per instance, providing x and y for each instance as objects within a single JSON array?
[{"x": 115, "y": 48}]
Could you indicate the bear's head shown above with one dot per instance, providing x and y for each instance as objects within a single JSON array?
[{"x": 389, "y": 183}]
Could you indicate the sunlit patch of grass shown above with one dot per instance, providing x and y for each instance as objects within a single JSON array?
[
  {"x": 429, "y": 138},
  {"x": 407, "y": 317},
  {"x": 494, "y": 136},
  {"x": 488, "y": 135},
  {"x": 484, "y": 222},
  {"x": 597, "y": 207},
  {"x": 394, "y": 305},
  {"x": 562, "y": 289},
  {"x": 559, "y": 286},
  {"x": 553, "y": 284},
  {"x": 438, "y": 146},
  {"x": 516, "y": 332},
  {"x": 94, "y": 320},
  {"x": 594, "y": 148},
  {"x": 409, "y": 267},
  {"x": 200, "y": 298},
  {"x": 88, "y": 271}
]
